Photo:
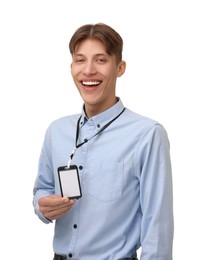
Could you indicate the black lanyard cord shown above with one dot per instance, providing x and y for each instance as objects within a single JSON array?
[
  {"x": 99, "y": 132},
  {"x": 86, "y": 140}
]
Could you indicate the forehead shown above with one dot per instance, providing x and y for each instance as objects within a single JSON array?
[{"x": 90, "y": 46}]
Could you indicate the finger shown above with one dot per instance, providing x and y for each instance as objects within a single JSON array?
[
  {"x": 61, "y": 206},
  {"x": 53, "y": 200},
  {"x": 59, "y": 212}
]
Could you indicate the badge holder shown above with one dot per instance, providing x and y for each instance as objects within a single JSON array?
[{"x": 69, "y": 182}]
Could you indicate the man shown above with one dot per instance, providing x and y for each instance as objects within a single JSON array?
[{"x": 123, "y": 163}]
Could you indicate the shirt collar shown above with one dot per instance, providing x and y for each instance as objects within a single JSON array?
[{"x": 104, "y": 117}]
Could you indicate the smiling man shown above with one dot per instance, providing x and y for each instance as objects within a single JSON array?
[
  {"x": 121, "y": 160},
  {"x": 95, "y": 73}
]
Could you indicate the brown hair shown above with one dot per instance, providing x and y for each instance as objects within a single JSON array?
[{"x": 107, "y": 35}]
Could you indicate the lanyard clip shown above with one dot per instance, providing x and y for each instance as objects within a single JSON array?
[{"x": 71, "y": 157}]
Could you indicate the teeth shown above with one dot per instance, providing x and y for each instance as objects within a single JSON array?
[{"x": 90, "y": 83}]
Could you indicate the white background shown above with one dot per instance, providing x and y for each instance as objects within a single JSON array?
[{"x": 165, "y": 50}]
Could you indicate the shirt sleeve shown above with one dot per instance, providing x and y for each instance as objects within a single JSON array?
[
  {"x": 44, "y": 183},
  {"x": 156, "y": 195}
]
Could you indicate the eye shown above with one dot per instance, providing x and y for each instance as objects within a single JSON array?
[
  {"x": 101, "y": 60},
  {"x": 79, "y": 60}
]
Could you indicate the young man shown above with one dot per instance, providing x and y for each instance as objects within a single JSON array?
[{"x": 123, "y": 162}]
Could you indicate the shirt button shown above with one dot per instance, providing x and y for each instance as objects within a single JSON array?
[
  {"x": 98, "y": 125},
  {"x": 75, "y": 226},
  {"x": 80, "y": 167},
  {"x": 70, "y": 255}
]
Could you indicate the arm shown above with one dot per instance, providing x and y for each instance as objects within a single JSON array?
[
  {"x": 156, "y": 196},
  {"x": 47, "y": 205}
]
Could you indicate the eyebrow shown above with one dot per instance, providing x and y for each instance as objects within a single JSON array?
[{"x": 96, "y": 55}]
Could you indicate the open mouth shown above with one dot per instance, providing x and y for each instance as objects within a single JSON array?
[{"x": 91, "y": 83}]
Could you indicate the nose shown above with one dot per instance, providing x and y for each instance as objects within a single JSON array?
[{"x": 89, "y": 68}]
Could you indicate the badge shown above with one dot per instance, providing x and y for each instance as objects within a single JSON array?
[{"x": 69, "y": 182}]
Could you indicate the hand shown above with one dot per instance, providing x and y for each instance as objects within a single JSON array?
[{"x": 54, "y": 206}]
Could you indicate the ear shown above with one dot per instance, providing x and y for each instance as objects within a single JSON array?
[{"x": 121, "y": 68}]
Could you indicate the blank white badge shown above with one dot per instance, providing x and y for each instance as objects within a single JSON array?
[{"x": 69, "y": 182}]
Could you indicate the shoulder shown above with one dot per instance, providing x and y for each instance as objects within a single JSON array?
[
  {"x": 65, "y": 120},
  {"x": 143, "y": 125},
  {"x": 62, "y": 124},
  {"x": 138, "y": 119}
]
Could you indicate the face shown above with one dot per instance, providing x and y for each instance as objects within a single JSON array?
[{"x": 95, "y": 73}]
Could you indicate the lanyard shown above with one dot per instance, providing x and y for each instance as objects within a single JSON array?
[{"x": 86, "y": 140}]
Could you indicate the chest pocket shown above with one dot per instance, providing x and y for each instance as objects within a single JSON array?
[{"x": 104, "y": 180}]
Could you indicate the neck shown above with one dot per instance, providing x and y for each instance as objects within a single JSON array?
[{"x": 92, "y": 110}]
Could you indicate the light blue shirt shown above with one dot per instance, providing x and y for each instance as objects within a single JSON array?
[{"x": 126, "y": 181}]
